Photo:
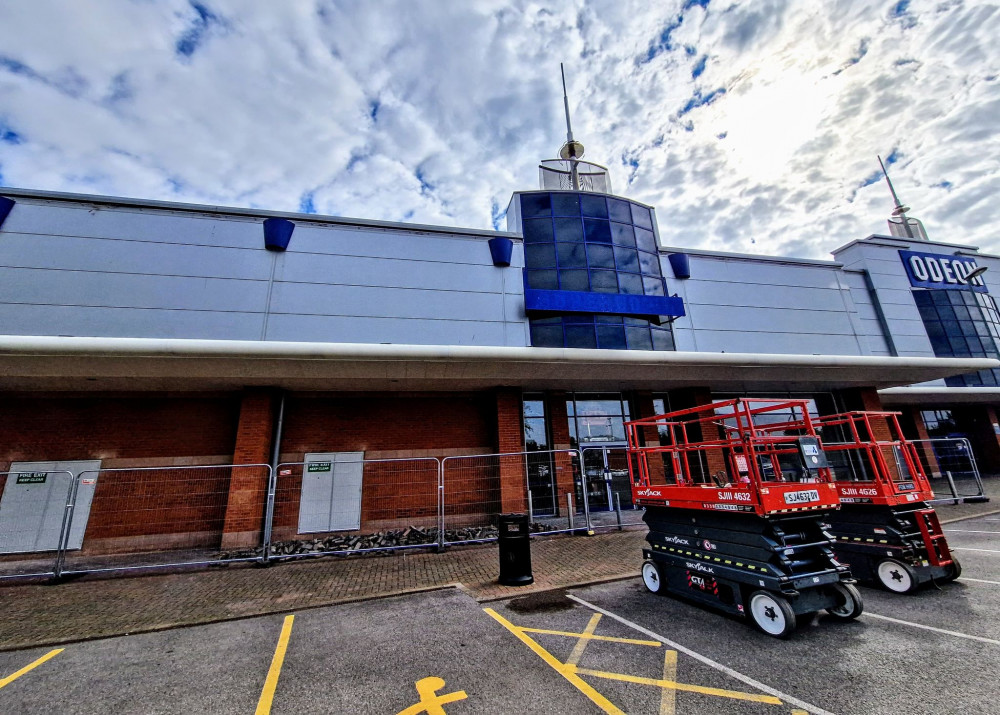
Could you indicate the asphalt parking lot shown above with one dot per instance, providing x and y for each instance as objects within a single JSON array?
[{"x": 609, "y": 648}]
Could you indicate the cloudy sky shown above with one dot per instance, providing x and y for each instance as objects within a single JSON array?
[{"x": 750, "y": 126}]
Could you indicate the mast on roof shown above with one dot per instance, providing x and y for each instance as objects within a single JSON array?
[{"x": 900, "y": 225}]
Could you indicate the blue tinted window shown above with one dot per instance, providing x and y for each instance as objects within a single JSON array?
[
  {"x": 593, "y": 205},
  {"x": 571, "y": 255},
  {"x": 630, "y": 284},
  {"x": 565, "y": 205},
  {"x": 542, "y": 280},
  {"x": 649, "y": 263},
  {"x": 540, "y": 255},
  {"x": 653, "y": 286},
  {"x": 580, "y": 336},
  {"x": 626, "y": 259},
  {"x": 642, "y": 217},
  {"x": 601, "y": 256},
  {"x": 603, "y": 282},
  {"x": 533, "y": 205},
  {"x": 597, "y": 231},
  {"x": 619, "y": 211},
  {"x": 537, "y": 230},
  {"x": 569, "y": 229},
  {"x": 622, "y": 235},
  {"x": 546, "y": 336},
  {"x": 645, "y": 240},
  {"x": 611, "y": 337},
  {"x": 662, "y": 339},
  {"x": 573, "y": 280},
  {"x": 600, "y": 331}
]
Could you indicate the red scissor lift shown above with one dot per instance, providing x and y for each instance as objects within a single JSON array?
[
  {"x": 885, "y": 529},
  {"x": 736, "y": 493}
]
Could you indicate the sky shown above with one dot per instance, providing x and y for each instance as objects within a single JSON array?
[{"x": 751, "y": 127}]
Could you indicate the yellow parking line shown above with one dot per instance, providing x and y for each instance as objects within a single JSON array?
[
  {"x": 734, "y": 694},
  {"x": 14, "y": 676},
  {"x": 581, "y": 644},
  {"x": 668, "y": 696},
  {"x": 565, "y": 671},
  {"x": 267, "y": 695},
  {"x": 609, "y": 639}
]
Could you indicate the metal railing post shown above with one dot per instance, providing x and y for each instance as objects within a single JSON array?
[
  {"x": 272, "y": 485},
  {"x": 531, "y": 511},
  {"x": 586, "y": 499},
  {"x": 440, "y": 545},
  {"x": 67, "y": 524},
  {"x": 975, "y": 468},
  {"x": 569, "y": 509},
  {"x": 618, "y": 511},
  {"x": 951, "y": 483}
]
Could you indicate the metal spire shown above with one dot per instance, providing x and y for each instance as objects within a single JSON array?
[
  {"x": 899, "y": 210},
  {"x": 569, "y": 127}
]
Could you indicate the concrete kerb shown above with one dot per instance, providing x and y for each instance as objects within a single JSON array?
[{"x": 970, "y": 516}]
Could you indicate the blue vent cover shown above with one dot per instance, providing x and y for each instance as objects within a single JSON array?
[
  {"x": 569, "y": 301},
  {"x": 681, "y": 265},
  {"x": 277, "y": 233},
  {"x": 501, "y": 250},
  {"x": 5, "y": 206}
]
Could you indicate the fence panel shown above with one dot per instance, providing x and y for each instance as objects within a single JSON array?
[
  {"x": 33, "y": 514},
  {"x": 478, "y": 488},
  {"x": 609, "y": 487},
  {"x": 159, "y": 517},
  {"x": 951, "y": 466},
  {"x": 346, "y": 505}
]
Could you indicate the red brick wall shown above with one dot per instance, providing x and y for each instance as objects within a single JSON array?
[{"x": 247, "y": 488}]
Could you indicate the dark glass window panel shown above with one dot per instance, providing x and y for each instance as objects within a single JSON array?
[
  {"x": 626, "y": 259},
  {"x": 571, "y": 255},
  {"x": 540, "y": 255},
  {"x": 598, "y": 231},
  {"x": 642, "y": 217},
  {"x": 611, "y": 337},
  {"x": 537, "y": 230},
  {"x": 595, "y": 206},
  {"x": 645, "y": 240},
  {"x": 600, "y": 256},
  {"x": 619, "y": 211},
  {"x": 622, "y": 235},
  {"x": 542, "y": 280},
  {"x": 580, "y": 336},
  {"x": 533, "y": 205},
  {"x": 946, "y": 312},
  {"x": 534, "y": 434},
  {"x": 603, "y": 282},
  {"x": 959, "y": 346},
  {"x": 573, "y": 280},
  {"x": 663, "y": 339},
  {"x": 941, "y": 346},
  {"x": 546, "y": 336},
  {"x": 649, "y": 263},
  {"x": 637, "y": 322},
  {"x": 982, "y": 329},
  {"x": 565, "y": 205},
  {"x": 952, "y": 328},
  {"x": 652, "y": 286},
  {"x": 974, "y": 380},
  {"x": 569, "y": 229},
  {"x": 630, "y": 284},
  {"x": 922, "y": 298},
  {"x": 928, "y": 312},
  {"x": 962, "y": 312},
  {"x": 534, "y": 408},
  {"x": 608, "y": 319},
  {"x": 956, "y": 297},
  {"x": 638, "y": 339}
]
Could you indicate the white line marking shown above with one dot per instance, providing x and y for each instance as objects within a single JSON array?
[
  {"x": 966, "y": 548},
  {"x": 968, "y": 531},
  {"x": 932, "y": 628},
  {"x": 747, "y": 680},
  {"x": 978, "y": 580}
]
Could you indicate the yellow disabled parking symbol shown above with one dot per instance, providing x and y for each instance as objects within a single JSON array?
[{"x": 430, "y": 701}]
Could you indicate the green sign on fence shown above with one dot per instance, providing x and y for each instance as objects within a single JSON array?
[
  {"x": 318, "y": 466},
  {"x": 31, "y": 478}
]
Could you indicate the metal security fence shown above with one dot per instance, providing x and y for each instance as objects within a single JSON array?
[
  {"x": 478, "y": 488},
  {"x": 609, "y": 487},
  {"x": 33, "y": 516},
  {"x": 340, "y": 504},
  {"x": 157, "y": 517},
  {"x": 952, "y": 468}
]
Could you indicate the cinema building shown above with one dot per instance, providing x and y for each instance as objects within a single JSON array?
[{"x": 144, "y": 340}]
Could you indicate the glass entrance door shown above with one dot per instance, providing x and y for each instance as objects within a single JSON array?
[{"x": 605, "y": 471}]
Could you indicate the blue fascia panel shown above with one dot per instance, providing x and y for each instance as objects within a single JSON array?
[{"x": 569, "y": 301}]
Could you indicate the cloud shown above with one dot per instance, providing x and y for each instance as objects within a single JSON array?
[{"x": 751, "y": 127}]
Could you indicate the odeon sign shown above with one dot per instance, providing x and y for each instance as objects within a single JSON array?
[{"x": 941, "y": 271}]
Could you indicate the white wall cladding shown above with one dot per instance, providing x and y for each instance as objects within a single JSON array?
[
  {"x": 87, "y": 268},
  {"x": 751, "y": 304}
]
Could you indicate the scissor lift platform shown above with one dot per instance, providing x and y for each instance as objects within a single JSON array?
[{"x": 735, "y": 494}]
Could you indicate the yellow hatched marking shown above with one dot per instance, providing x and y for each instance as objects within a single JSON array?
[
  {"x": 430, "y": 701},
  {"x": 581, "y": 643},
  {"x": 668, "y": 696},
  {"x": 720, "y": 692},
  {"x": 31, "y": 666},
  {"x": 609, "y": 639},
  {"x": 274, "y": 672},
  {"x": 565, "y": 671}
]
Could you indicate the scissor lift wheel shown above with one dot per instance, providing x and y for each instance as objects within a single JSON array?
[
  {"x": 896, "y": 576},
  {"x": 651, "y": 577},
  {"x": 850, "y": 605},
  {"x": 772, "y": 614}
]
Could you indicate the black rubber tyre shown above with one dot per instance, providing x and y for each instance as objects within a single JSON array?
[
  {"x": 955, "y": 571},
  {"x": 652, "y": 578},
  {"x": 850, "y": 605},
  {"x": 771, "y": 613},
  {"x": 895, "y": 576}
]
